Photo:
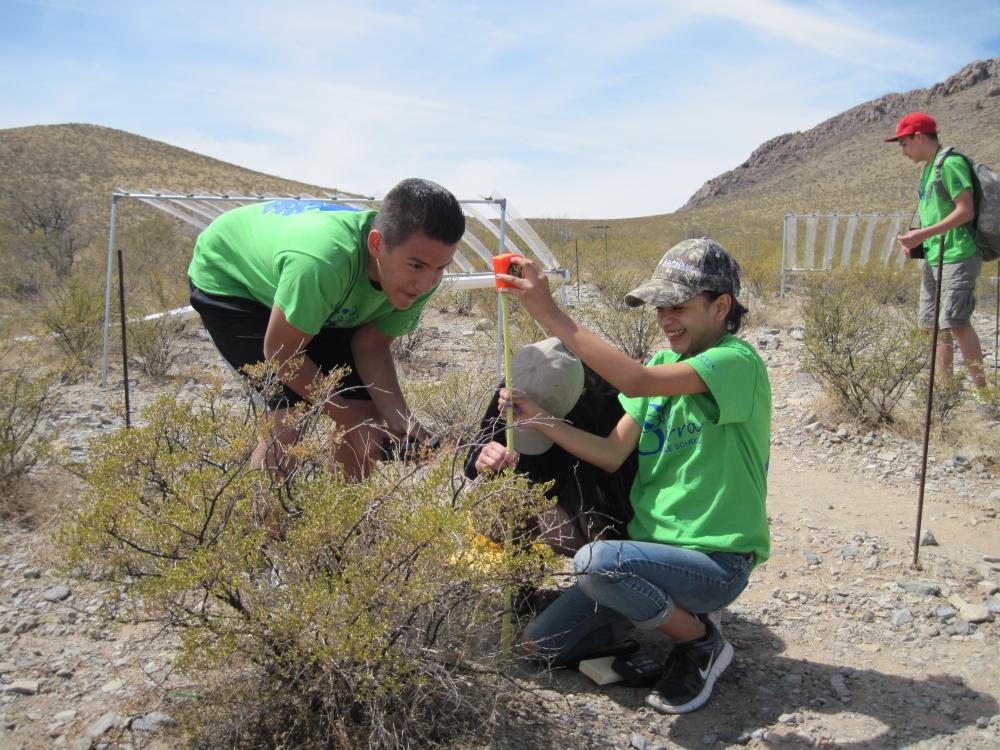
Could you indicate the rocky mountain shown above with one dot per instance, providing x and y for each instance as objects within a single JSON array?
[{"x": 843, "y": 163}]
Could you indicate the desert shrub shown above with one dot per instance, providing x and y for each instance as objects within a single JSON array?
[
  {"x": 25, "y": 401},
  {"x": 406, "y": 347},
  {"x": 948, "y": 397},
  {"x": 155, "y": 344},
  {"x": 865, "y": 353},
  {"x": 887, "y": 284},
  {"x": 457, "y": 301},
  {"x": 761, "y": 274},
  {"x": 370, "y": 622},
  {"x": 452, "y": 406},
  {"x": 632, "y": 329},
  {"x": 74, "y": 315}
]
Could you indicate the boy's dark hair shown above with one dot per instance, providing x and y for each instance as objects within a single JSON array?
[
  {"x": 736, "y": 311},
  {"x": 416, "y": 205}
]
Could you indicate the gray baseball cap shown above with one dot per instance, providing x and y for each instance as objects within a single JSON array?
[
  {"x": 553, "y": 376},
  {"x": 687, "y": 269}
]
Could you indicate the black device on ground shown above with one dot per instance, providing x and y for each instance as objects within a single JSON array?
[{"x": 639, "y": 670}]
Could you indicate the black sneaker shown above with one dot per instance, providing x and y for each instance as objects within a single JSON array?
[{"x": 690, "y": 674}]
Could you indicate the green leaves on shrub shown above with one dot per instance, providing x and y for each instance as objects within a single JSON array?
[
  {"x": 156, "y": 343},
  {"x": 371, "y": 621},
  {"x": 74, "y": 315},
  {"x": 864, "y": 352},
  {"x": 25, "y": 400}
]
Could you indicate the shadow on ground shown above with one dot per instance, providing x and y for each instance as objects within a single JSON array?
[{"x": 853, "y": 707}]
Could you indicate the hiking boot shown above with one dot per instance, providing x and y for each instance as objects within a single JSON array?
[{"x": 691, "y": 671}]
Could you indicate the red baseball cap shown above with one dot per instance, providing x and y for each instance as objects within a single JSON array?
[{"x": 915, "y": 122}]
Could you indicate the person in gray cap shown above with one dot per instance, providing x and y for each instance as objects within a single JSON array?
[
  {"x": 699, "y": 415},
  {"x": 590, "y": 503}
]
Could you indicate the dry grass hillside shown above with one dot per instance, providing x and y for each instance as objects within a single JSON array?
[{"x": 94, "y": 160}]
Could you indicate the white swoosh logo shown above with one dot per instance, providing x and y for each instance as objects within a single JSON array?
[{"x": 705, "y": 672}]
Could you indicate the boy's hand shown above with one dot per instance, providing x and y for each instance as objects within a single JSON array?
[{"x": 495, "y": 457}]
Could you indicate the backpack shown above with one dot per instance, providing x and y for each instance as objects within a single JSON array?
[{"x": 985, "y": 200}]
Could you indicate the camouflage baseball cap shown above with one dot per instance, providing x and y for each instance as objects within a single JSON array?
[{"x": 686, "y": 270}]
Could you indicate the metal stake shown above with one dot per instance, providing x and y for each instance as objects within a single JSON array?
[
  {"x": 121, "y": 308},
  {"x": 930, "y": 402}
]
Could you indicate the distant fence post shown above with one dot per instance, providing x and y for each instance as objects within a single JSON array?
[{"x": 833, "y": 227}]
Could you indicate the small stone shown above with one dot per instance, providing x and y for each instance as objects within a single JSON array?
[
  {"x": 22, "y": 687},
  {"x": 112, "y": 685},
  {"x": 902, "y": 617},
  {"x": 638, "y": 742},
  {"x": 871, "y": 563},
  {"x": 32, "y": 573},
  {"x": 6, "y": 666},
  {"x": 970, "y": 612},
  {"x": 156, "y": 720},
  {"x": 103, "y": 724},
  {"x": 840, "y": 687},
  {"x": 924, "y": 588},
  {"x": 56, "y": 593},
  {"x": 988, "y": 587},
  {"x": 788, "y": 719},
  {"x": 25, "y": 625},
  {"x": 812, "y": 558},
  {"x": 945, "y": 613},
  {"x": 927, "y": 539},
  {"x": 63, "y": 716},
  {"x": 849, "y": 551}
]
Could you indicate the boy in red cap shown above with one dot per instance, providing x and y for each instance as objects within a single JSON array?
[{"x": 946, "y": 208}]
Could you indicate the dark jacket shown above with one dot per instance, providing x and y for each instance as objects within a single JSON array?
[{"x": 582, "y": 489}]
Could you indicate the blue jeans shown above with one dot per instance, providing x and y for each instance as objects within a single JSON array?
[{"x": 644, "y": 582}]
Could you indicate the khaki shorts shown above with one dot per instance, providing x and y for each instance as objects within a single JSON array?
[{"x": 958, "y": 293}]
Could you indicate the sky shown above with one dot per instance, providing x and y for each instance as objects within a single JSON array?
[{"x": 581, "y": 109}]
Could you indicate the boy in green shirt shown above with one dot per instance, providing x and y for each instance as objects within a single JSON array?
[
  {"x": 945, "y": 209},
  {"x": 699, "y": 416},
  {"x": 313, "y": 286}
]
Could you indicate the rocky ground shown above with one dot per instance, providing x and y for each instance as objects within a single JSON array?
[{"x": 840, "y": 641}]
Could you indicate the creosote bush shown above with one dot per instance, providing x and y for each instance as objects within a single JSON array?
[
  {"x": 867, "y": 354},
  {"x": 632, "y": 329},
  {"x": 370, "y": 622},
  {"x": 452, "y": 406},
  {"x": 26, "y": 398},
  {"x": 74, "y": 315},
  {"x": 155, "y": 344}
]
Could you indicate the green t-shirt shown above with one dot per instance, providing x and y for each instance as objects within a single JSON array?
[
  {"x": 310, "y": 258},
  {"x": 959, "y": 243},
  {"x": 702, "y": 479}
]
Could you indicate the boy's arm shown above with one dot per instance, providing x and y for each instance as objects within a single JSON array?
[
  {"x": 282, "y": 341},
  {"x": 377, "y": 369},
  {"x": 963, "y": 213}
]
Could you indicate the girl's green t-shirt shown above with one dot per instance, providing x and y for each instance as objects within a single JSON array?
[
  {"x": 310, "y": 258},
  {"x": 703, "y": 458}
]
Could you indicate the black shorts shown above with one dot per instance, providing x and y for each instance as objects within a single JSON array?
[{"x": 237, "y": 327}]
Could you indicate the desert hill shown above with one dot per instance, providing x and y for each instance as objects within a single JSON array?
[
  {"x": 843, "y": 164},
  {"x": 95, "y": 160}
]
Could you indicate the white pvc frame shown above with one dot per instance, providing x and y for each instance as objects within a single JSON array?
[{"x": 198, "y": 210}]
